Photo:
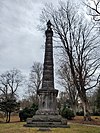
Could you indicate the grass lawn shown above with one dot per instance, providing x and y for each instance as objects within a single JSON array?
[
  {"x": 74, "y": 128},
  {"x": 17, "y": 127}
]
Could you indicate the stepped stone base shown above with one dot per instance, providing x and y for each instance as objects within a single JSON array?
[
  {"x": 46, "y": 121},
  {"x": 47, "y": 114}
]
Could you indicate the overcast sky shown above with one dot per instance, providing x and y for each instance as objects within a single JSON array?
[{"x": 20, "y": 41}]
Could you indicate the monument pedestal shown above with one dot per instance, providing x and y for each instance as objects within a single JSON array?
[
  {"x": 46, "y": 121},
  {"x": 47, "y": 114}
]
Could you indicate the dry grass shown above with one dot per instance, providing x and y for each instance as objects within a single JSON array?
[
  {"x": 17, "y": 127},
  {"x": 79, "y": 119}
]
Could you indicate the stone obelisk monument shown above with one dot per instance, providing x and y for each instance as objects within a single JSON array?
[{"x": 47, "y": 114}]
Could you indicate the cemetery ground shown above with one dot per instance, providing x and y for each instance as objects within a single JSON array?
[{"x": 76, "y": 126}]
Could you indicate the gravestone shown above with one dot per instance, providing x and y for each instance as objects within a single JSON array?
[{"x": 47, "y": 114}]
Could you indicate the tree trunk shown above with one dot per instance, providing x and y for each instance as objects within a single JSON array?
[
  {"x": 7, "y": 117},
  {"x": 74, "y": 108},
  {"x": 87, "y": 116},
  {"x": 8, "y": 114}
]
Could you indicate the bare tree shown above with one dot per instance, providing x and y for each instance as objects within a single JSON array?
[
  {"x": 79, "y": 41},
  {"x": 62, "y": 100},
  {"x": 10, "y": 81},
  {"x": 66, "y": 81},
  {"x": 94, "y": 9},
  {"x": 35, "y": 81},
  {"x": 98, "y": 98}
]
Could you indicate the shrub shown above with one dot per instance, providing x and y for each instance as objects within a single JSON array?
[
  {"x": 67, "y": 113},
  {"x": 80, "y": 113},
  {"x": 27, "y": 112},
  {"x": 96, "y": 113}
]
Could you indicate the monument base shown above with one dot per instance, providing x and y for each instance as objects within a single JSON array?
[{"x": 46, "y": 121}]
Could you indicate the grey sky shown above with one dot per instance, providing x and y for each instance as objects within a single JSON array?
[{"x": 20, "y": 41}]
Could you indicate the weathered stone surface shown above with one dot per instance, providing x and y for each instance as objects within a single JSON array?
[
  {"x": 47, "y": 121},
  {"x": 47, "y": 114},
  {"x": 45, "y": 118}
]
